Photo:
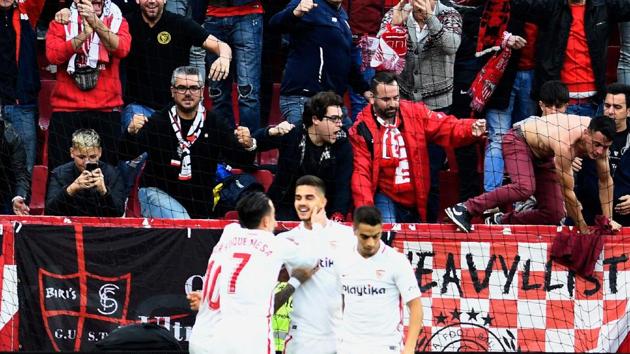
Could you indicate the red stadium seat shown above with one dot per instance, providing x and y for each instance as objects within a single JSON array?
[
  {"x": 231, "y": 215},
  {"x": 132, "y": 209},
  {"x": 45, "y": 112},
  {"x": 268, "y": 157},
  {"x": 38, "y": 189},
  {"x": 264, "y": 177}
]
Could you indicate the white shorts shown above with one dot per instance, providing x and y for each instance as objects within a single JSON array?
[
  {"x": 304, "y": 344},
  {"x": 354, "y": 348}
]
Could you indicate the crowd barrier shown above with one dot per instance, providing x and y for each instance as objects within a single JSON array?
[{"x": 67, "y": 282}]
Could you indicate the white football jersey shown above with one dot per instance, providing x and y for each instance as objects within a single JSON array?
[
  {"x": 374, "y": 292},
  {"x": 249, "y": 262},
  {"x": 209, "y": 312},
  {"x": 317, "y": 302}
]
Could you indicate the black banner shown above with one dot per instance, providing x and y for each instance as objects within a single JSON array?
[{"x": 78, "y": 284}]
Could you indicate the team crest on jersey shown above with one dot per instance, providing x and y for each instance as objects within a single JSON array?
[
  {"x": 379, "y": 273},
  {"x": 164, "y": 37}
]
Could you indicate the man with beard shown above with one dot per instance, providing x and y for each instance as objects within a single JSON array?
[
  {"x": 316, "y": 302},
  {"x": 318, "y": 147},
  {"x": 184, "y": 144},
  {"x": 389, "y": 141}
]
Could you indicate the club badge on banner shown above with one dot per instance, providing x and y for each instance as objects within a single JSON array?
[{"x": 79, "y": 284}]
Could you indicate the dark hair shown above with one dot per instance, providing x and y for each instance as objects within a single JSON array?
[
  {"x": 367, "y": 215},
  {"x": 604, "y": 125},
  {"x": 618, "y": 88},
  {"x": 313, "y": 181},
  {"x": 251, "y": 208},
  {"x": 318, "y": 104},
  {"x": 383, "y": 77},
  {"x": 554, "y": 93}
]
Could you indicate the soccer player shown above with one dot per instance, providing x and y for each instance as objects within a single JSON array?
[
  {"x": 375, "y": 282},
  {"x": 316, "y": 302},
  {"x": 241, "y": 278}
]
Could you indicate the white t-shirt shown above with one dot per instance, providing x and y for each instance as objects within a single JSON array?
[
  {"x": 375, "y": 290},
  {"x": 317, "y": 303}
]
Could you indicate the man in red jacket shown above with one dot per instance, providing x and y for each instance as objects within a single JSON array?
[{"x": 389, "y": 141}]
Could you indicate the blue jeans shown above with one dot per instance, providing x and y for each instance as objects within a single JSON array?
[
  {"x": 588, "y": 109},
  {"x": 392, "y": 212},
  {"x": 155, "y": 203},
  {"x": 357, "y": 100},
  {"x": 244, "y": 35},
  {"x": 623, "y": 68},
  {"x": 23, "y": 118},
  {"x": 292, "y": 108},
  {"x": 499, "y": 122}
]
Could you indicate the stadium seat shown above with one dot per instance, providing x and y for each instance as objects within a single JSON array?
[
  {"x": 264, "y": 177},
  {"x": 132, "y": 209},
  {"x": 45, "y": 112},
  {"x": 268, "y": 157},
  {"x": 38, "y": 189},
  {"x": 231, "y": 215}
]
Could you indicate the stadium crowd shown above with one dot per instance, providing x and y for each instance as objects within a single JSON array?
[{"x": 143, "y": 100}]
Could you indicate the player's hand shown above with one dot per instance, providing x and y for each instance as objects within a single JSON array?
[
  {"x": 99, "y": 181},
  {"x": 479, "y": 128},
  {"x": 623, "y": 208},
  {"x": 281, "y": 129},
  {"x": 20, "y": 207},
  {"x": 516, "y": 42},
  {"x": 409, "y": 351},
  {"x": 304, "y": 274},
  {"x": 137, "y": 122},
  {"x": 576, "y": 165},
  {"x": 318, "y": 216},
  {"x": 219, "y": 69},
  {"x": 304, "y": 7},
  {"x": 194, "y": 300},
  {"x": 244, "y": 137},
  {"x": 62, "y": 16},
  {"x": 615, "y": 226}
]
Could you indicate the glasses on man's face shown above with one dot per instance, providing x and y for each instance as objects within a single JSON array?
[
  {"x": 334, "y": 119},
  {"x": 182, "y": 89}
]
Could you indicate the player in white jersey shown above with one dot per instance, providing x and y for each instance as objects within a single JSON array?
[
  {"x": 248, "y": 263},
  {"x": 316, "y": 302},
  {"x": 376, "y": 281},
  {"x": 206, "y": 301}
]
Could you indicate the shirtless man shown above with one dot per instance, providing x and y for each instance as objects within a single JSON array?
[{"x": 538, "y": 153}]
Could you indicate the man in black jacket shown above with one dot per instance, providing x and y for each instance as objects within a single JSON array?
[
  {"x": 318, "y": 147},
  {"x": 85, "y": 186},
  {"x": 14, "y": 176},
  {"x": 184, "y": 145},
  {"x": 572, "y": 45}
]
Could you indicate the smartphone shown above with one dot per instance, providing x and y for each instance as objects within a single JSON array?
[{"x": 91, "y": 166}]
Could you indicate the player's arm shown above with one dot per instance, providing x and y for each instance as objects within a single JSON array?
[
  {"x": 605, "y": 183},
  {"x": 563, "y": 161},
  {"x": 298, "y": 277},
  {"x": 415, "y": 324}
]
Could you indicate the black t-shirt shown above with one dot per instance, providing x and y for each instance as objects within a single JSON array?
[
  {"x": 614, "y": 159},
  {"x": 155, "y": 53},
  {"x": 312, "y": 163},
  {"x": 8, "y": 64}
]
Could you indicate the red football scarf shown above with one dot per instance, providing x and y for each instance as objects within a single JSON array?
[{"x": 489, "y": 76}]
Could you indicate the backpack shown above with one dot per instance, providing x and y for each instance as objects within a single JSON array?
[{"x": 228, "y": 193}]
